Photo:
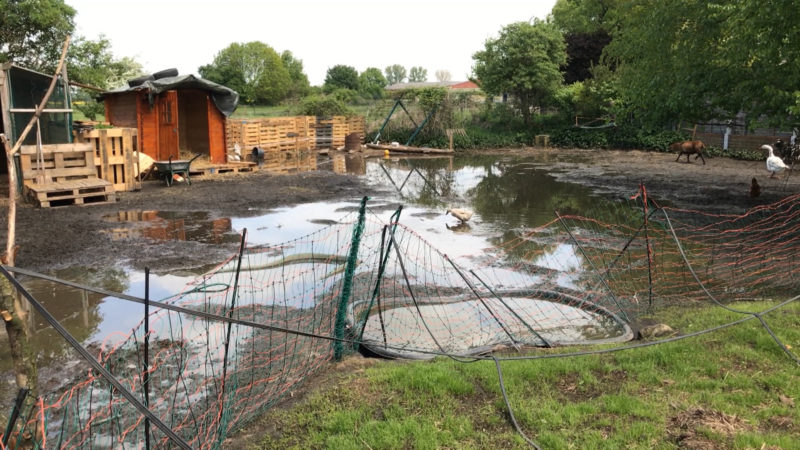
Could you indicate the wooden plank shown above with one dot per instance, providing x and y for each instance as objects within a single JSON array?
[
  {"x": 57, "y": 148},
  {"x": 131, "y": 167},
  {"x": 408, "y": 149},
  {"x": 60, "y": 173},
  {"x": 103, "y": 147},
  {"x": 73, "y": 185}
]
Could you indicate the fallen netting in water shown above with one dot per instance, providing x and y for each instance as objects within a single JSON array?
[{"x": 468, "y": 326}]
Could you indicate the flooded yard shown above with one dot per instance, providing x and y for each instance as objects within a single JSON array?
[{"x": 186, "y": 232}]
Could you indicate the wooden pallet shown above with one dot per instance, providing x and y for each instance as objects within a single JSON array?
[
  {"x": 73, "y": 192},
  {"x": 63, "y": 174},
  {"x": 114, "y": 156},
  {"x": 232, "y": 167}
]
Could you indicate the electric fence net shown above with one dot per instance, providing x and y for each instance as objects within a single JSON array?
[{"x": 244, "y": 335}]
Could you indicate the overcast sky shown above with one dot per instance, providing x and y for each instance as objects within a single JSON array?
[{"x": 185, "y": 34}]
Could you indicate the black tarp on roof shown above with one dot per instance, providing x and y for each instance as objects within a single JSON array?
[{"x": 225, "y": 98}]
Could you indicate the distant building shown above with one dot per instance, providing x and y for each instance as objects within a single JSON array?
[{"x": 465, "y": 85}]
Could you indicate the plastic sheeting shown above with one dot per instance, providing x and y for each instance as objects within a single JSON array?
[{"x": 225, "y": 98}]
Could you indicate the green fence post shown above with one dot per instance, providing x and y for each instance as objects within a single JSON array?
[{"x": 341, "y": 313}]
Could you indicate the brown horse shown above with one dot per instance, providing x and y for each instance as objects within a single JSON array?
[{"x": 689, "y": 148}]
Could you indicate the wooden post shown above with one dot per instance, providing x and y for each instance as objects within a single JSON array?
[{"x": 5, "y": 99}]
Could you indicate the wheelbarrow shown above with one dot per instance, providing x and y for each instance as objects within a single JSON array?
[{"x": 168, "y": 169}]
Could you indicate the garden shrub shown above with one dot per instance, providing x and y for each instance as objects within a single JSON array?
[{"x": 316, "y": 105}]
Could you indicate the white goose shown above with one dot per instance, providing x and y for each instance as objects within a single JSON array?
[{"x": 774, "y": 163}]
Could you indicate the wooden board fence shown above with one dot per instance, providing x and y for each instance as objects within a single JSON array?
[{"x": 278, "y": 134}]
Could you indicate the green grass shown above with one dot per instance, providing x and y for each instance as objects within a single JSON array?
[{"x": 721, "y": 390}]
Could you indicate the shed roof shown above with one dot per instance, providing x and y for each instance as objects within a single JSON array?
[{"x": 225, "y": 98}]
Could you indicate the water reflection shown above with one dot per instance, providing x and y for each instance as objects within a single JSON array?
[
  {"x": 173, "y": 226},
  {"x": 285, "y": 162},
  {"x": 349, "y": 163}
]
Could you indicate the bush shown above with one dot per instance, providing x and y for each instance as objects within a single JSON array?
[
  {"x": 621, "y": 137},
  {"x": 345, "y": 96},
  {"x": 316, "y": 105}
]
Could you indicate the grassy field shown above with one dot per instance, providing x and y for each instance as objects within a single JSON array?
[{"x": 733, "y": 388}]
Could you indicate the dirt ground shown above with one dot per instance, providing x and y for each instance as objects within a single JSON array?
[{"x": 54, "y": 238}]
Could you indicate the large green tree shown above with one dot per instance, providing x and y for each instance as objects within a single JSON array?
[
  {"x": 341, "y": 76},
  {"x": 395, "y": 73},
  {"x": 32, "y": 31},
  {"x": 371, "y": 83},
  {"x": 524, "y": 62},
  {"x": 91, "y": 62},
  {"x": 693, "y": 60},
  {"x": 417, "y": 74},
  {"x": 253, "y": 69},
  {"x": 586, "y": 16},
  {"x": 299, "y": 85}
]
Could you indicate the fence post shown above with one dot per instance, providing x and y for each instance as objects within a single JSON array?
[
  {"x": 726, "y": 138},
  {"x": 341, "y": 313}
]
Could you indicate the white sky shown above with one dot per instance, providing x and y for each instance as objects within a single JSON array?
[{"x": 434, "y": 34}]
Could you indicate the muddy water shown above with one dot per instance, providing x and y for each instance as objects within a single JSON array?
[{"x": 508, "y": 195}]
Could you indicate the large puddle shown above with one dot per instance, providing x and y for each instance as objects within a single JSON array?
[{"x": 508, "y": 197}]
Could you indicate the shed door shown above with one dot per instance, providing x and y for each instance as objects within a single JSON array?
[{"x": 168, "y": 125}]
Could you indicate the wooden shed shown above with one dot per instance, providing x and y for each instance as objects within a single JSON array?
[{"x": 174, "y": 114}]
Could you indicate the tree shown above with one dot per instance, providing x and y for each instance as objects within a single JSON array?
[
  {"x": 443, "y": 75},
  {"x": 341, "y": 77},
  {"x": 585, "y": 16},
  {"x": 299, "y": 85},
  {"x": 91, "y": 62},
  {"x": 371, "y": 83},
  {"x": 689, "y": 60},
  {"x": 417, "y": 74},
  {"x": 32, "y": 31},
  {"x": 254, "y": 69},
  {"x": 583, "y": 52},
  {"x": 395, "y": 73},
  {"x": 524, "y": 62}
]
